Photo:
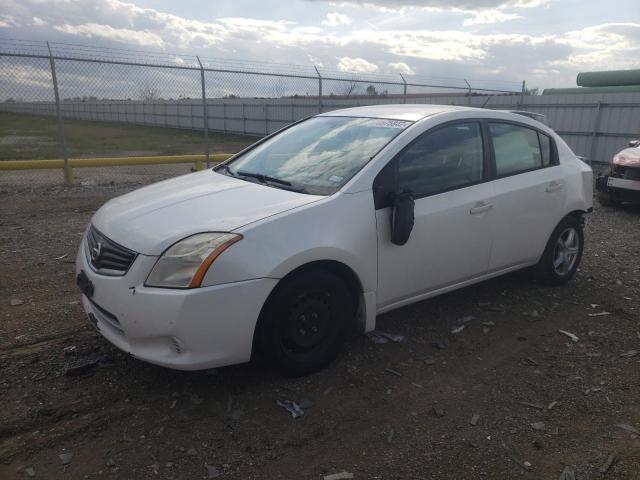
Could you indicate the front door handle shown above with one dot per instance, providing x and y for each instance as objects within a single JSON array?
[
  {"x": 554, "y": 186},
  {"x": 480, "y": 207}
]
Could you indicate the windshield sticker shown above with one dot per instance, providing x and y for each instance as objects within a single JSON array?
[
  {"x": 385, "y": 123},
  {"x": 335, "y": 178}
]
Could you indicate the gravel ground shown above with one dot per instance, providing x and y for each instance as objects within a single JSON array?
[{"x": 507, "y": 397}]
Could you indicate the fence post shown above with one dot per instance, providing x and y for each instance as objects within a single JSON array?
[
  {"x": 594, "y": 133},
  {"x": 468, "y": 92},
  {"x": 205, "y": 116},
  {"x": 319, "y": 90},
  {"x": 404, "y": 90},
  {"x": 521, "y": 105},
  {"x": 68, "y": 173}
]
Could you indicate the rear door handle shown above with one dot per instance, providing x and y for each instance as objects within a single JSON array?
[
  {"x": 480, "y": 207},
  {"x": 554, "y": 186}
]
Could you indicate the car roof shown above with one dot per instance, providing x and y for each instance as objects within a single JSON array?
[{"x": 410, "y": 112}]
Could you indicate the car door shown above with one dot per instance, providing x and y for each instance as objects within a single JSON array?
[
  {"x": 529, "y": 192},
  {"x": 446, "y": 171}
]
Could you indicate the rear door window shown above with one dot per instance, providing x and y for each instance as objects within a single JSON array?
[{"x": 517, "y": 149}]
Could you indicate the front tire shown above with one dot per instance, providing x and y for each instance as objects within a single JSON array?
[
  {"x": 304, "y": 323},
  {"x": 562, "y": 254}
]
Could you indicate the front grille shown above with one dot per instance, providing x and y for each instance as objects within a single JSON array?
[
  {"x": 106, "y": 256},
  {"x": 630, "y": 173}
]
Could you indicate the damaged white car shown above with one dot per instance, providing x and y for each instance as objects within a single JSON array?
[{"x": 326, "y": 224}]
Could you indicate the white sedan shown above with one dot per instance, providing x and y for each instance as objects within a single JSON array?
[{"x": 325, "y": 224}]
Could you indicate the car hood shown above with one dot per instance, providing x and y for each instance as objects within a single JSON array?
[{"x": 151, "y": 219}]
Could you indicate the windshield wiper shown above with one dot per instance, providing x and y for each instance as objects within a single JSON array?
[
  {"x": 263, "y": 178},
  {"x": 272, "y": 181}
]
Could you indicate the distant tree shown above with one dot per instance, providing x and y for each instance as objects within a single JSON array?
[
  {"x": 231, "y": 95},
  {"x": 532, "y": 91},
  {"x": 149, "y": 94},
  {"x": 349, "y": 89},
  {"x": 371, "y": 90}
]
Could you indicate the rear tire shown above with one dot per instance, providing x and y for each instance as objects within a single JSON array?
[
  {"x": 304, "y": 323},
  {"x": 562, "y": 254}
]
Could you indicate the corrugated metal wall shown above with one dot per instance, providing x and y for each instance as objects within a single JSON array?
[{"x": 595, "y": 126}]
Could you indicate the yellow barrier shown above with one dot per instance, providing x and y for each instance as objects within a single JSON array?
[{"x": 198, "y": 160}]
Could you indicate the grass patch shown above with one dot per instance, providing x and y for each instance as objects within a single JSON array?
[{"x": 33, "y": 137}]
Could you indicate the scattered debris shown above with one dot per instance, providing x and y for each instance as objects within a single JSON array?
[
  {"x": 457, "y": 329},
  {"x": 16, "y": 302},
  {"x": 572, "y": 336},
  {"x": 66, "y": 458},
  {"x": 539, "y": 444},
  {"x": 30, "y": 471},
  {"x": 192, "y": 452},
  {"x": 567, "y": 474},
  {"x": 212, "y": 471},
  {"x": 526, "y": 464},
  {"x": 62, "y": 256},
  {"x": 537, "y": 406},
  {"x": 339, "y": 476},
  {"x": 440, "y": 344},
  {"x": 379, "y": 337},
  {"x": 111, "y": 463},
  {"x": 417, "y": 385},
  {"x": 628, "y": 428},
  {"x": 531, "y": 361},
  {"x": 393, "y": 372},
  {"x": 305, "y": 404},
  {"x": 438, "y": 412},
  {"x": 292, "y": 407},
  {"x": 611, "y": 459},
  {"x": 538, "y": 425},
  {"x": 474, "y": 419},
  {"x": 81, "y": 369},
  {"x": 389, "y": 438},
  {"x": 599, "y": 314},
  {"x": 629, "y": 354},
  {"x": 551, "y": 405}
]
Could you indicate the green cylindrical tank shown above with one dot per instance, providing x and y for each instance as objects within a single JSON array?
[
  {"x": 582, "y": 90},
  {"x": 611, "y": 78}
]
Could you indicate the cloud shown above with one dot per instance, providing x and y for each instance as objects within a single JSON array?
[
  {"x": 142, "y": 38},
  {"x": 400, "y": 67},
  {"x": 356, "y": 65},
  {"x": 7, "y": 21},
  {"x": 413, "y": 43},
  {"x": 336, "y": 19},
  {"x": 484, "y": 17},
  {"x": 468, "y": 5}
]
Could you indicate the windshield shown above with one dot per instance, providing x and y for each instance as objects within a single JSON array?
[{"x": 318, "y": 155}]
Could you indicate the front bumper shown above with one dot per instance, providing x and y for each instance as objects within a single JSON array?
[
  {"x": 183, "y": 329},
  {"x": 622, "y": 189}
]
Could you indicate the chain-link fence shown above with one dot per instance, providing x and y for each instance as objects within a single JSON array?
[{"x": 67, "y": 102}]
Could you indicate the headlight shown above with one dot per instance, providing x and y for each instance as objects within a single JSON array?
[{"x": 185, "y": 263}]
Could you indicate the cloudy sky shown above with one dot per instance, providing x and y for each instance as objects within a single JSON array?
[{"x": 545, "y": 42}]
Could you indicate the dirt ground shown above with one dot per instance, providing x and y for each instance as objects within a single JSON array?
[{"x": 540, "y": 401}]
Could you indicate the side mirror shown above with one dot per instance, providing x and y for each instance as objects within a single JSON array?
[
  {"x": 634, "y": 143},
  {"x": 402, "y": 217}
]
